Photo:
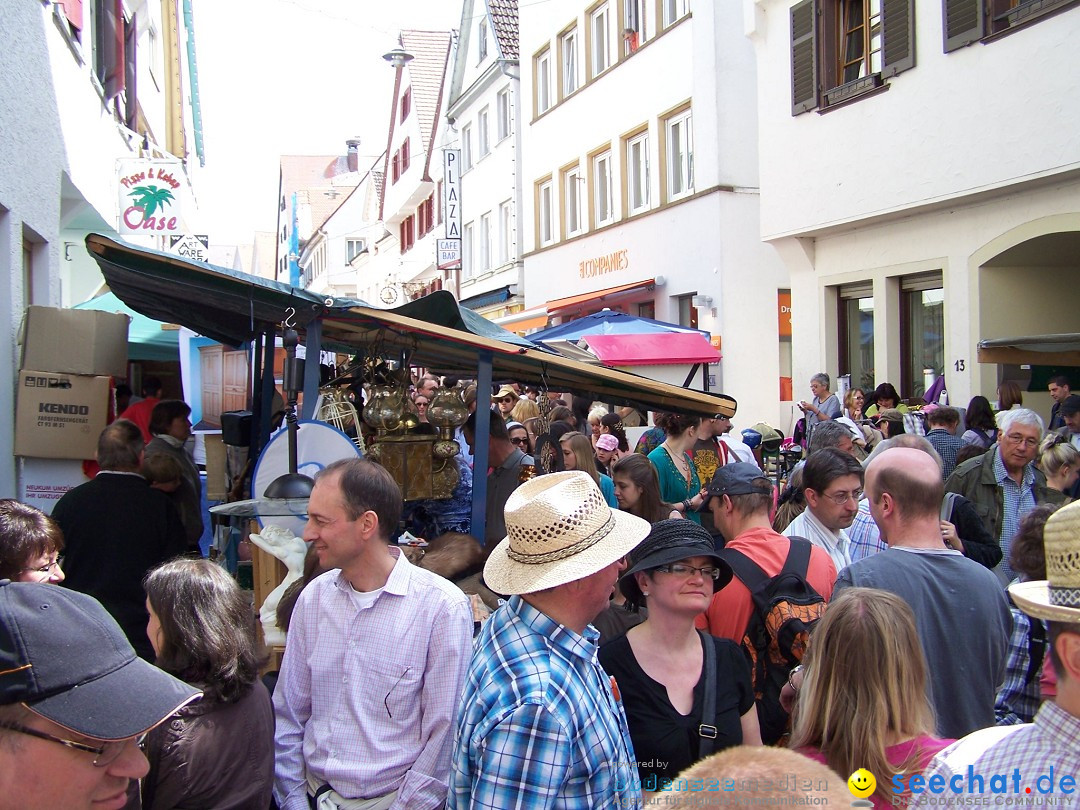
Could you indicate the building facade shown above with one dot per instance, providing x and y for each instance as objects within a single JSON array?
[
  {"x": 922, "y": 191},
  {"x": 89, "y": 88},
  {"x": 641, "y": 179},
  {"x": 485, "y": 110}
]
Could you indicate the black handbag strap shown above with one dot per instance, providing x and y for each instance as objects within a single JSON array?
[{"x": 707, "y": 731}]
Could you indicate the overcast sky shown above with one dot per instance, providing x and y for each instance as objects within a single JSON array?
[{"x": 289, "y": 77}]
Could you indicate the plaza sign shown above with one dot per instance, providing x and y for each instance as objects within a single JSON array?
[{"x": 452, "y": 192}]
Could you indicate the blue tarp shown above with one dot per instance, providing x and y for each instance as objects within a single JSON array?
[{"x": 608, "y": 322}]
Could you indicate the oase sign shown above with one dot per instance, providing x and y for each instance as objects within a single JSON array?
[
  {"x": 190, "y": 246},
  {"x": 149, "y": 196}
]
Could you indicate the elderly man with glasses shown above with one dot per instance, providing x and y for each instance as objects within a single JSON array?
[
  {"x": 1003, "y": 483},
  {"x": 75, "y": 701}
]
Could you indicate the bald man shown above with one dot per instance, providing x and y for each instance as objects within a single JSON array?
[{"x": 960, "y": 609}]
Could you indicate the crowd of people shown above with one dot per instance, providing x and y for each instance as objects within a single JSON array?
[{"x": 909, "y": 604}]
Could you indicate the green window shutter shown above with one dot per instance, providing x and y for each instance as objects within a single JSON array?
[
  {"x": 898, "y": 36},
  {"x": 962, "y": 21},
  {"x": 804, "y": 63}
]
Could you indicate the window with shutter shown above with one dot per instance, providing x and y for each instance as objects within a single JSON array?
[
  {"x": 842, "y": 49},
  {"x": 967, "y": 21},
  {"x": 803, "y": 56}
]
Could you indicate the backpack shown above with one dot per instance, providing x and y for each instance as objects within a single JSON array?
[{"x": 786, "y": 608}]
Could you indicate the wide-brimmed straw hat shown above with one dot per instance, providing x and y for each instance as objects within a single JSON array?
[
  {"x": 559, "y": 529},
  {"x": 1056, "y": 598},
  {"x": 505, "y": 391},
  {"x": 671, "y": 541}
]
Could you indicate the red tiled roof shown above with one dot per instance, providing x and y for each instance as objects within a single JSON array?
[
  {"x": 430, "y": 50},
  {"x": 504, "y": 18}
]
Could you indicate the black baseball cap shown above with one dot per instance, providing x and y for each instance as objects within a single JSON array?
[
  {"x": 66, "y": 659},
  {"x": 740, "y": 478}
]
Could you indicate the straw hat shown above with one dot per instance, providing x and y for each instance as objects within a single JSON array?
[
  {"x": 1057, "y": 598},
  {"x": 559, "y": 529},
  {"x": 505, "y": 391}
]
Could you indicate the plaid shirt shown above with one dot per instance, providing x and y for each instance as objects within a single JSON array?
[
  {"x": 541, "y": 724},
  {"x": 1052, "y": 741},
  {"x": 864, "y": 534},
  {"x": 946, "y": 445},
  {"x": 1018, "y": 699},
  {"x": 1017, "y": 501}
]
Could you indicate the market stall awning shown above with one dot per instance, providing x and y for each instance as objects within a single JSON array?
[
  {"x": 554, "y": 306},
  {"x": 433, "y": 331},
  {"x": 147, "y": 339},
  {"x": 609, "y": 322},
  {"x": 657, "y": 349},
  {"x": 1040, "y": 350}
]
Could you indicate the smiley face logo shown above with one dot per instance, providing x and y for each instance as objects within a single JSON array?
[{"x": 861, "y": 783}]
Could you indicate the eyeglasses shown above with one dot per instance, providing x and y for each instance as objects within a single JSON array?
[
  {"x": 841, "y": 498},
  {"x": 682, "y": 570},
  {"x": 48, "y": 567},
  {"x": 1026, "y": 441},
  {"x": 107, "y": 753},
  {"x": 386, "y": 700},
  {"x": 521, "y": 441},
  {"x": 420, "y": 404},
  {"x": 506, "y": 399}
]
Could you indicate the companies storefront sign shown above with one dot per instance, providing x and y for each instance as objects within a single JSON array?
[
  {"x": 601, "y": 265},
  {"x": 149, "y": 197}
]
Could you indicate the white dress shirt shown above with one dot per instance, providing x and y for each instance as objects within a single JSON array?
[
  {"x": 836, "y": 544},
  {"x": 368, "y": 695}
]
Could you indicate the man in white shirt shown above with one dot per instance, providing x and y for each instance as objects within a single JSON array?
[
  {"x": 375, "y": 661},
  {"x": 832, "y": 486}
]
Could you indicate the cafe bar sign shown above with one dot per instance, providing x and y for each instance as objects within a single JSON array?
[
  {"x": 604, "y": 264},
  {"x": 149, "y": 197}
]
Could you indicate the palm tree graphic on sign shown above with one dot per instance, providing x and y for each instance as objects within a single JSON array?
[{"x": 149, "y": 198}]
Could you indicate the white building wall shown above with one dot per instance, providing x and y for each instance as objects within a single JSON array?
[
  {"x": 706, "y": 244},
  {"x": 963, "y": 157}
]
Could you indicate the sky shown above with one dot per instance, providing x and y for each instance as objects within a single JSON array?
[{"x": 291, "y": 77}]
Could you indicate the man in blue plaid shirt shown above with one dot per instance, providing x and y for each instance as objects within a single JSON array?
[{"x": 541, "y": 724}]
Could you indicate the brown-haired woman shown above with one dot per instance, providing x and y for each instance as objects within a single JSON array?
[
  {"x": 218, "y": 751},
  {"x": 30, "y": 544}
]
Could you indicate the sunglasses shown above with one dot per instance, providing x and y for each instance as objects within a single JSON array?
[
  {"x": 507, "y": 399},
  {"x": 520, "y": 441}
]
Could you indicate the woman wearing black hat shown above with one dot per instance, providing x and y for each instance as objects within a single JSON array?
[{"x": 663, "y": 665}]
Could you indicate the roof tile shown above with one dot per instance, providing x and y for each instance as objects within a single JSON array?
[{"x": 504, "y": 18}]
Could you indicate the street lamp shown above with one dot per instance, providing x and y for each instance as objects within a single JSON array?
[{"x": 398, "y": 58}]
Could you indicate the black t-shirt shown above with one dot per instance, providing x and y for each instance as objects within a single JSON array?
[{"x": 666, "y": 742}]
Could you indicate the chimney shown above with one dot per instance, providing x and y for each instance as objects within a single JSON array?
[{"x": 353, "y": 145}]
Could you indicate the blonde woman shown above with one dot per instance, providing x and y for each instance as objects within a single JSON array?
[
  {"x": 1059, "y": 462},
  {"x": 524, "y": 410},
  {"x": 595, "y": 415},
  {"x": 577, "y": 454},
  {"x": 861, "y": 697}
]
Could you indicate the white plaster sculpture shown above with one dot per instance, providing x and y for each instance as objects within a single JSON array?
[{"x": 291, "y": 550}]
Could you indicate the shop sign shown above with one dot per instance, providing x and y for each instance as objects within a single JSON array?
[
  {"x": 602, "y": 265},
  {"x": 190, "y": 246},
  {"x": 783, "y": 312},
  {"x": 452, "y": 192},
  {"x": 449, "y": 254},
  {"x": 149, "y": 196}
]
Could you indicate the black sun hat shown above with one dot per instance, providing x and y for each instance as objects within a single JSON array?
[
  {"x": 669, "y": 542},
  {"x": 65, "y": 658}
]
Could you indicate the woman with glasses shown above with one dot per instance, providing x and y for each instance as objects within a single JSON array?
[
  {"x": 678, "y": 711},
  {"x": 577, "y": 454},
  {"x": 30, "y": 544},
  {"x": 421, "y": 402},
  {"x": 519, "y": 436},
  {"x": 219, "y": 751},
  {"x": 861, "y": 695}
]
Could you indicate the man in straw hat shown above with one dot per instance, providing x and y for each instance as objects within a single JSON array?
[
  {"x": 541, "y": 723},
  {"x": 75, "y": 701},
  {"x": 1039, "y": 759}
]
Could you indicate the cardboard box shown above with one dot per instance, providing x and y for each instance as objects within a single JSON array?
[
  {"x": 75, "y": 341},
  {"x": 59, "y": 415}
]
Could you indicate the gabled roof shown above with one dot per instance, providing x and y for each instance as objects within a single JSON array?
[
  {"x": 504, "y": 19},
  {"x": 431, "y": 51}
]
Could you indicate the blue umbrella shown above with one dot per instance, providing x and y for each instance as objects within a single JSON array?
[{"x": 608, "y": 322}]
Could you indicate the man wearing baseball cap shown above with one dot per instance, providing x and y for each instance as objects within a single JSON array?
[
  {"x": 1044, "y": 754},
  {"x": 541, "y": 724},
  {"x": 74, "y": 701}
]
